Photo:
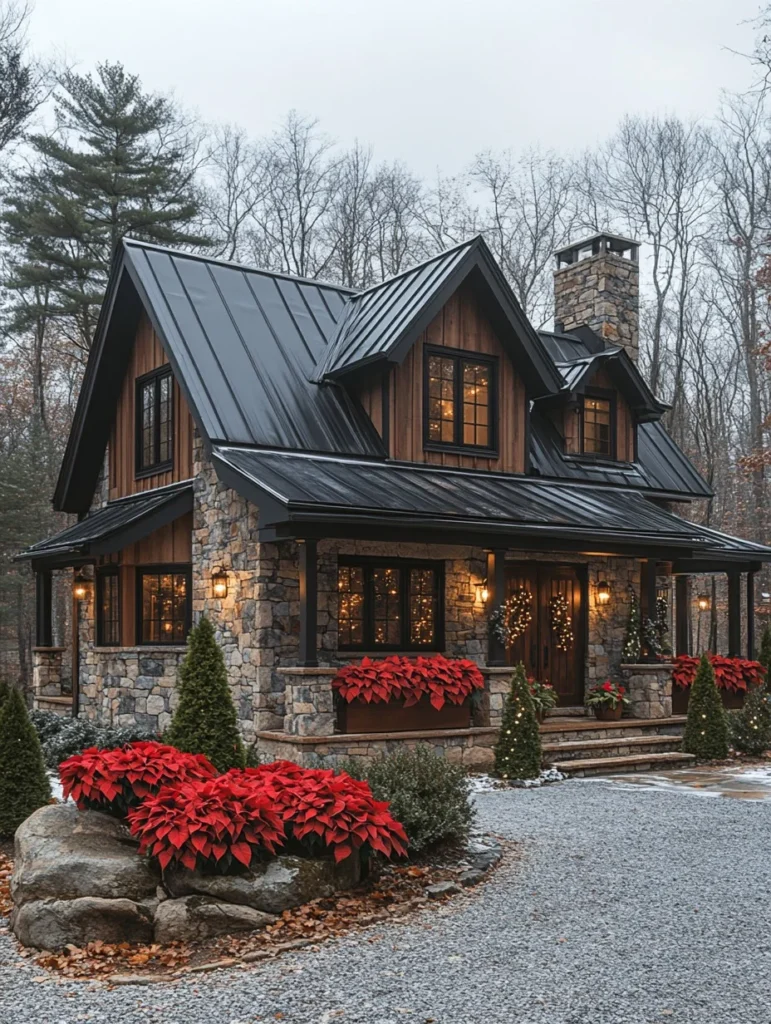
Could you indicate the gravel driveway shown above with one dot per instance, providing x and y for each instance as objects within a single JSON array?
[{"x": 627, "y": 905}]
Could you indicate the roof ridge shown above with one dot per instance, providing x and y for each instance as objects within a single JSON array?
[
  {"x": 316, "y": 282},
  {"x": 418, "y": 266}
]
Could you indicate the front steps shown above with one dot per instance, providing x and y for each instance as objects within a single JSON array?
[{"x": 586, "y": 746}]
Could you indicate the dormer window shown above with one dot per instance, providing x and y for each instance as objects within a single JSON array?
[
  {"x": 597, "y": 427},
  {"x": 154, "y": 422},
  {"x": 459, "y": 400}
]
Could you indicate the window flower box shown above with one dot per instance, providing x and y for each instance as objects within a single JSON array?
[{"x": 396, "y": 716}]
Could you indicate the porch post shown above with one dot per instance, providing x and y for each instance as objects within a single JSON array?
[
  {"x": 682, "y": 615},
  {"x": 734, "y": 614},
  {"x": 750, "y": 614},
  {"x": 648, "y": 600},
  {"x": 44, "y": 636},
  {"x": 496, "y": 586},
  {"x": 309, "y": 603}
]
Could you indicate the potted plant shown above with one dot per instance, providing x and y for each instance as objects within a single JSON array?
[
  {"x": 607, "y": 700},
  {"x": 544, "y": 697}
]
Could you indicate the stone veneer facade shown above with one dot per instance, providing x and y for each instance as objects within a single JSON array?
[{"x": 602, "y": 292}]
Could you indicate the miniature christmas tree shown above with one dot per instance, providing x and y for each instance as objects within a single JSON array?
[
  {"x": 632, "y": 644},
  {"x": 751, "y": 727},
  {"x": 205, "y": 721},
  {"x": 24, "y": 785},
  {"x": 518, "y": 750},
  {"x": 706, "y": 730}
]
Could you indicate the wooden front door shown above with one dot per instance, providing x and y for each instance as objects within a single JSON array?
[{"x": 551, "y": 652}]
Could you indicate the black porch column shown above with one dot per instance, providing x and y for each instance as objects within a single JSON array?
[
  {"x": 682, "y": 615},
  {"x": 309, "y": 604},
  {"x": 734, "y": 614},
  {"x": 648, "y": 601},
  {"x": 44, "y": 636},
  {"x": 750, "y": 614},
  {"x": 496, "y": 586}
]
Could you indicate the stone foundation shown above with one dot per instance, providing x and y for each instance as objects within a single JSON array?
[
  {"x": 649, "y": 689},
  {"x": 309, "y": 701},
  {"x": 46, "y": 673},
  {"x": 130, "y": 685}
]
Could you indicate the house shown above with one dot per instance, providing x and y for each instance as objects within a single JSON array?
[{"x": 328, "y": 473}]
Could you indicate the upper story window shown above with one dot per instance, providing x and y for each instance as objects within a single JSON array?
[
  {"x": 459, "y": 400},
  {"x": 154, "y": 421},
  {"x": 391, "y": 605},
  {"x": 597, "y": 435}
]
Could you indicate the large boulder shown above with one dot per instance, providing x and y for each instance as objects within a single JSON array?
[
  {"x": 55, "y": 924},
  {"x": 62, "y": 853},
  {"x": 195, "y": 918},
  {"x": 274, "y": 886}
]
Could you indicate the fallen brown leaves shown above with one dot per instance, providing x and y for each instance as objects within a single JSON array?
[
  {"x": 101, "y": 959},
  {"x": 6, "y": 866}
]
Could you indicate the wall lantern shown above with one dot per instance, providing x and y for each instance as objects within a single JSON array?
[
  {"x": 219, "y": 581},
  {"x": 603, "y": 592},
  {"x": 80, "y": 587},
  {"x": 483, "y": 592},
  {"x": 704, "y": 603}
]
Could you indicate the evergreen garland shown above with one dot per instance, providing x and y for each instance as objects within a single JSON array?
[
  {"x": 205, "y": 720},
  {"x": 662, "y": 624},
  {"x": 512, "y": 618},
  {"x": 632, "y": 643},
  {"x": 706, "y": 730},
  {"x": 518, "y": 750},
  {"x": 651, "y": 639},
  {"x": 24, "y": 785},
  {"x": 559, "y": 615}
]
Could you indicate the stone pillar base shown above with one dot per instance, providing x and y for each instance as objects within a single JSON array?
[
  {"x": 309, "y": 701},
  {"x": 46, "y": 673},
  {"x": 649, "y": 688}
]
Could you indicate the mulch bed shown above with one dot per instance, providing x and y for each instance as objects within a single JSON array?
[{"x": 400, "y": 890}]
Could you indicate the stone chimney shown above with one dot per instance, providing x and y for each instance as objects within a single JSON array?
[{"x": 597, "y": 284}]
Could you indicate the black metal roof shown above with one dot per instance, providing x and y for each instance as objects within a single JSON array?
[
  {"x": 383, "y": 322},
  {"x": 115, "y": 525},
  {"x": 297, "y": 488}
]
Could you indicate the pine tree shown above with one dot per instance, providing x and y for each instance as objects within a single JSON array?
[
  {"x": 751, "y": 727},
  {"x": 205, "y": 720},
  {"x": 24, "y": 785},
  {"x": 706, "y": 730},
  {"x": 120, "y": 163},
  {"x": 518, "y": 750}
]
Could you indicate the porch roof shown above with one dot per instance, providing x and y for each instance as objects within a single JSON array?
[
  {"x": 112, "y": 527},
  {"x": 300, "y": 494}
]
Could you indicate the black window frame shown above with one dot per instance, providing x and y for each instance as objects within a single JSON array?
[
  {"x": 111, "y": 573},
  {"x": 154, "y": 377},
  {"x": 405, "y": 565},
  {"x": 609, "y": 397},
  {"x": 162, "y": 569},
  {"x": 461, "y": 356}
]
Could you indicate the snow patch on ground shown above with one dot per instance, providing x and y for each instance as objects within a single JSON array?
[{"x": 486, "y": 783}]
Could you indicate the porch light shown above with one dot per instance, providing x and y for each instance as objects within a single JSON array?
[
  {"x": 603, "y": 592},
  {"x": 219, "y": 580},
  {"x": 704, "y": 603},
  {"x": 80, "y": 587},
  {"x": 483, "y": 592}
]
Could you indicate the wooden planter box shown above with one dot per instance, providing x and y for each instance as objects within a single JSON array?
[
  {"x": 732, "y": 699},
  {"x": 358, "y": 716}
]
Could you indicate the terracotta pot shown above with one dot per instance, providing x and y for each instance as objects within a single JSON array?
[{"x": 605, "y": 713}]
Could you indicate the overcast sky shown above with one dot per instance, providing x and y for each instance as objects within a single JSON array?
[{"x": 427, "y": 82}]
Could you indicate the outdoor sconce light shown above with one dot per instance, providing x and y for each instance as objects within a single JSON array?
[
  {"x": 219, "y": 580},
  {"x": 603, "y": 592},
  {"x": 483, "y": 592},
  {"x": 80, "y": 587},
  {"x": 704, "y": 602}
]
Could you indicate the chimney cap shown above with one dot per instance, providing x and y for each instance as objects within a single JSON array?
[{"x": 600, "y": 244}]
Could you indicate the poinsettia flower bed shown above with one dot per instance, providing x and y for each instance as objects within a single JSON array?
[
  {"x": 442, "y": 680},
  {"x": 116, "y": 780},
  {"x": 216, "y": 823},
  {"x": 735, "y": 674},
  {"x": 325, "y": 811}
]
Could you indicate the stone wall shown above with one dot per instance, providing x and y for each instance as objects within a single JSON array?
[
  {"x": 602, "y": 292},
  {"x": 46, "y": 672},
  {"x": 649, "y": 689}
]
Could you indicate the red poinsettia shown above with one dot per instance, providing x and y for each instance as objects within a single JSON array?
[
  {"x": 213, "y": 823},
  {"x": 409, "y": 679},
  {"x": 737, "y": 674},
  {"x": 607, "y": 693},
  {"x": 114, "y": 780}
]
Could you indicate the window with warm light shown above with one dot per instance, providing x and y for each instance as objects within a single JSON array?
[
  {"x": 154, "y": 422},
  {"x": 163, "y": 599},
  {"x": 394, "y": 605},
  {"x": 459, "y": 400},
  {"x": 597, "y": 436},
  {"x": 108, "y": 608}
]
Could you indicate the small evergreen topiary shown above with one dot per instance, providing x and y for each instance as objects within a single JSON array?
[
  {"x": 205, "y": 720},
  {"x": 4, "y": 691},
  {"x": 765, "y": 651},
  {"x": 518, "y": 750},
  {"x": 24, "y": 785},
  {"x": 706, "y": 730},
  {"x": 751, "y": 726}
]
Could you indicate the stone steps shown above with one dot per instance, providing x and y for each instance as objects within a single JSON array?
[
  {"x": 620, "y": 746},
  {"x": 622, "y": 765},
  {"x": 567, "y": 730}
]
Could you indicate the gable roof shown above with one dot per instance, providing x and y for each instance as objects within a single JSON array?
[
  {"x": 578, "y": 373},
  {"x": 381, "y": 324}
]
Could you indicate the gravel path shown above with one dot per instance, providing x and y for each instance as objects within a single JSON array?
[{"x": 626, "y": 907}]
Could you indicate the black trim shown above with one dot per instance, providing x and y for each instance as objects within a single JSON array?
[
  {"x": 385, "y": 415},
  {"x": 605, "y": 395},
  {"x": 103, "y": 573},
  {"x": 405, "y": 565},
  {"x": 154, "y": 377},
  {"x": 459, "y": 357},
  {"x": 172, "y": 568}
]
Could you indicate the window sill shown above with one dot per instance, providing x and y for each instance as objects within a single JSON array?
[
  {"x": 144, "y": 649},
  {"x": 162, "y": 467},
  {"x": 388, "y": 654},
  {"x": 459, "y": 449},
  {"x": 593, "y": 460}
]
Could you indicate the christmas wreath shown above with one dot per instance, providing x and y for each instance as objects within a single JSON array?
[
  {"x": 513, "y": 617},
  {"x": 559, "y": 614}
]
